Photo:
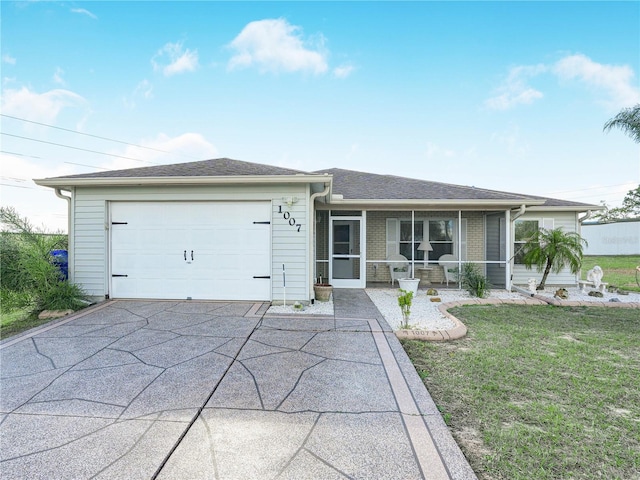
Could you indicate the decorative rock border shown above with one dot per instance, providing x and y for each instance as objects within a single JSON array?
[{"x": 460, "y": 329}]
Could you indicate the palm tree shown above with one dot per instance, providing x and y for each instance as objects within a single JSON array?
[
  {"x": 628, "y": 120},
  {"x": 552, "y": 250}
]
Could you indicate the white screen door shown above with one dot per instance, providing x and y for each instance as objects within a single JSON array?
[{"x": 346, "y": 268}]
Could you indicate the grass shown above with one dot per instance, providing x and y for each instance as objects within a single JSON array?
[
  {"x": 540, "y": 392},
  {"x": 17, "y": 321},
  {"x": 619, "y": 270}
]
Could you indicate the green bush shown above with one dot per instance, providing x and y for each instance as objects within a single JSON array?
[
  {"x": 27, "y": 275},
  {"x": 474, "y": 282}
]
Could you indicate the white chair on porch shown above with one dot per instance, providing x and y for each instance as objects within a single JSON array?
[
  {"x": 398, "y": 267},
  {"x": 449, "y": 264}
]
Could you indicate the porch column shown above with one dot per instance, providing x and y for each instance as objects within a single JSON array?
[
  {"x": 507, "y": 248},
  {"x": 413, "y": 243}
]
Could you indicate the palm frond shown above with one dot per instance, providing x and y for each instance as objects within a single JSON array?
[{"x": 628, "y": 120}]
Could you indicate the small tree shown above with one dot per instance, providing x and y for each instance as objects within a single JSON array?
[
  {"x": 405, "y": 299},
  {"x": 552, "y": 250},
  {"x": 630, "y": 208}
]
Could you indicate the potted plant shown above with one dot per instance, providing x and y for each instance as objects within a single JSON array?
[
  {"x": 322, "y": 291},
  {"x": 409, "y": 284}
]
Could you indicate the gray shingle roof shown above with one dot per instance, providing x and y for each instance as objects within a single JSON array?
[
  {"x": 370, "y": 186},
  {"x": 219, "y": 167},
  {"x": 352, "y": 185}
]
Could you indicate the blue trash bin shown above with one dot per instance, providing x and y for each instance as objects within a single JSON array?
[{"x": 61, "y": 260}]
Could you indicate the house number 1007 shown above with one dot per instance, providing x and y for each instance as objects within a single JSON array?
[{"x": 287, "y": 216}]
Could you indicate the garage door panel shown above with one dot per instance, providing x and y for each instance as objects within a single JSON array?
[{"x": 228, "y": 250}]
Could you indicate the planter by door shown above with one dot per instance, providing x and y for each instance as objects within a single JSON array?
[
  {"x": 322, "y": 292},
  {"x": 409, "y": 284}
]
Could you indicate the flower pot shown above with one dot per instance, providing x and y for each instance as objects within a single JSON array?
[
  {"x": 409, "y": 284},
  {"x": 322, "y": 292}
]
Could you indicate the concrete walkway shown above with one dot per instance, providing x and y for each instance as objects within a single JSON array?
[{"x": 190, "y": 390}]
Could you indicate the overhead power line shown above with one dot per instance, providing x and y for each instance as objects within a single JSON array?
[
  {"x": 17, "y": 186},
  {"x": 76, "y": 148},
  {"x": 97, "y": 136},
  {"x": 589, "y": 188},
  {"x": 84, "y": 165},
  {"x": 18, "y": 154}
]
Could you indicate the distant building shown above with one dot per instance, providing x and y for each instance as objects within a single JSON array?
[{"x": 613, "y": 238}]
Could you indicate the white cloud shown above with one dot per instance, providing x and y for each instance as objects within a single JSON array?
[
  {"x": 83, "y": 11},
  {"x": 187, "y": 147},
  {"x": 173, "y": 59},
  {"x": 615, "y": 81},
  {"x": 512, "y": 142},
  {"x": 6, "y": 58},
  {"x": 515, "y": 90},
  {"x": 42, "y": 107},
  {"x": 343, "y": 71},
  {"x": 57, "y": 76},
  {"x": 437, "y": 152},
  {"x": 274, "y": 45},
  {"x": 143, "y": 90}
]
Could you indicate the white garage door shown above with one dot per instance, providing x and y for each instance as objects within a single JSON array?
[{"x": 198, "y": 250}]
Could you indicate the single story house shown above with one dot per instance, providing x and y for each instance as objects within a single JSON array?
[{"x": 230, "y": 230}]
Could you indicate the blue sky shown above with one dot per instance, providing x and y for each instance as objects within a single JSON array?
[{"x": 502, "y": 95}]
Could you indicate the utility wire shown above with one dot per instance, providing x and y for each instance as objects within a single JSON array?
[
  {"x": 18, "y": 154},
  {"x": 17, "y": 186},
  {"x": 97, "y": 136},
  {"x": 76, "y": 148},
  {"x": 90, "y": 166},
  {"x": 589, "y": 188}
]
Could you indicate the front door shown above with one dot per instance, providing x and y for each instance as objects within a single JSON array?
[{"x": 346, "y": 268}]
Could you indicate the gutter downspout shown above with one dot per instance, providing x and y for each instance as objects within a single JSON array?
[
  {"x": 519, "y": 213},
  {"x": 585, "y": 218},
  {"x": 312, "y": 232},
  {"x": 511, "y": 220},
  {"x": 69, "y": 236}
]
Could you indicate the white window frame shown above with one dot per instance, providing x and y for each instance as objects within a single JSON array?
[
  {"x": 393, "y": 235},
  {"x": 546, "y": 223}
]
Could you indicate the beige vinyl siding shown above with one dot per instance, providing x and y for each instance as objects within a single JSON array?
[
  {"x": 89, "y": 236},
  {"x": 569, "y": 223},
  {"x": 289, "y": 248},
  {"x": 91, "y": 218}
]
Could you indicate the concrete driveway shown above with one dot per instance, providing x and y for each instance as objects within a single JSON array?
[{"x": 190, "y": 390}]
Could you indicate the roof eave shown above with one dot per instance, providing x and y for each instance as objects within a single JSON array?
[
  {"x": 564, "y": 208},
  {"x": 454, "y": 204},
  {"x": 62, "y": 182}
]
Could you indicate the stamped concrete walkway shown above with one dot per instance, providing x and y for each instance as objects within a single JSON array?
[{"x": 190, "y": 390}]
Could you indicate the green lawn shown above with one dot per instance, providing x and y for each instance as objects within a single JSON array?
[
  {"x": 540, "y": 392},
  {"x": 619, "y": 270},
  {"x": 12, "y": 323}
]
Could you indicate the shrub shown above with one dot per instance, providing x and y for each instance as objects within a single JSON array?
[
  {"x": 474, "y": 282},
  {"x": 27, "y": 274}
]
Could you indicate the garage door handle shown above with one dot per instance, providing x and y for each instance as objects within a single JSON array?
[
  {"x": 263, "y": 276},
  {"x": 191, "y": 255},
  {"x": 185, "y": 255}
]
